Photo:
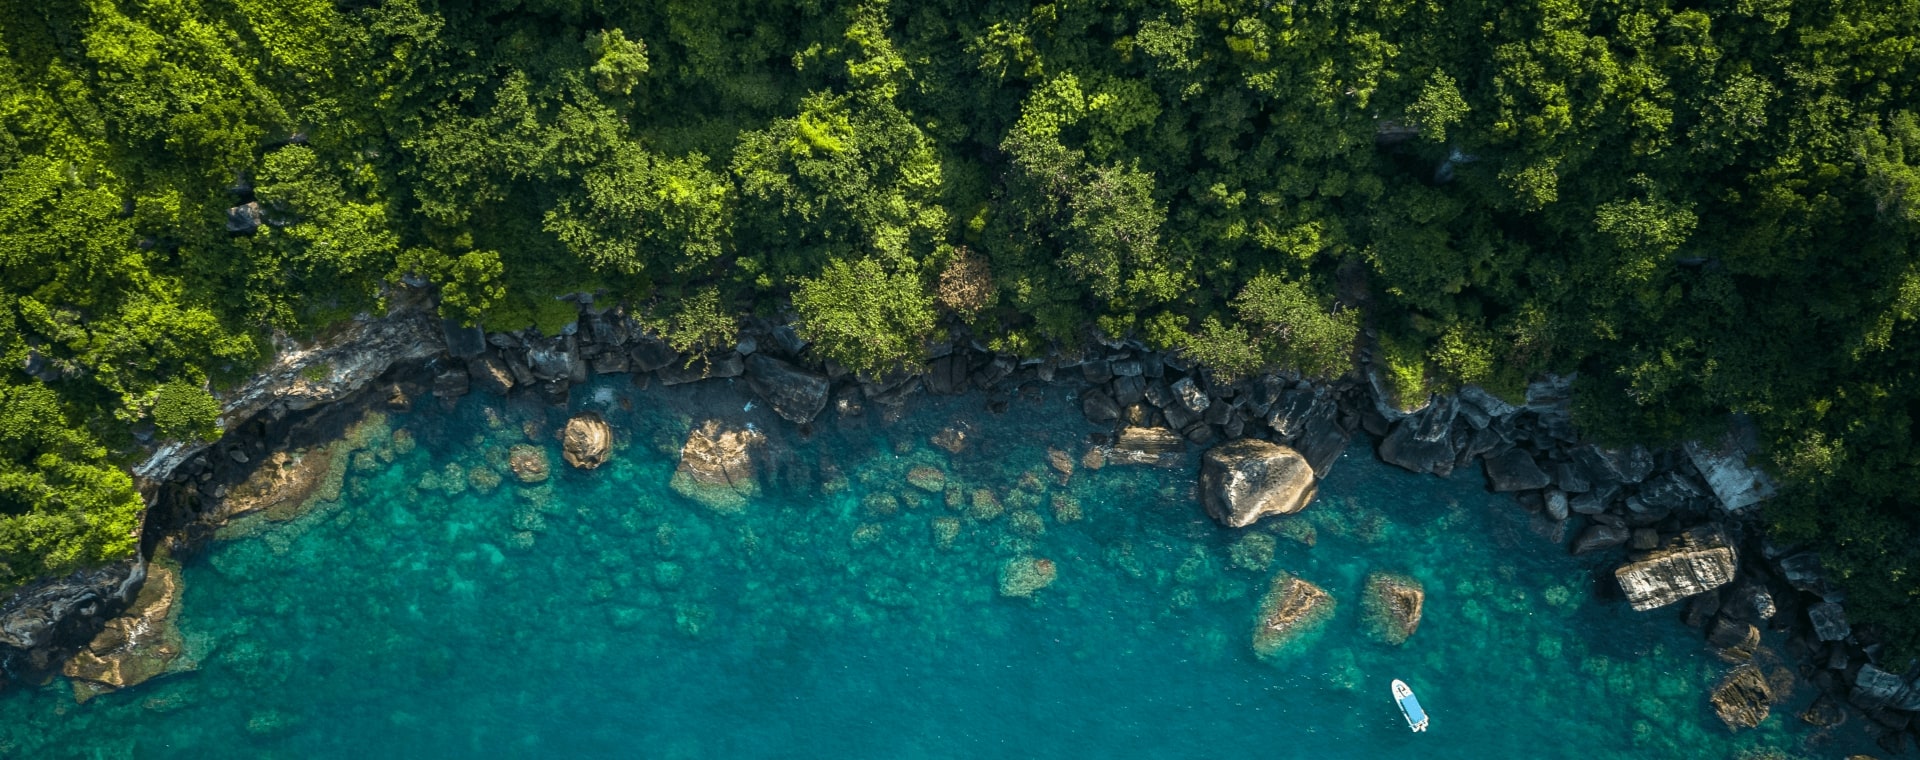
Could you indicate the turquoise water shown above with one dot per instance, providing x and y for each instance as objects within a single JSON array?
[{"x": 603, "y": 614}]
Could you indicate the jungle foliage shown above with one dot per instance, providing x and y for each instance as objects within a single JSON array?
[{"x": 1703, "y": 206}]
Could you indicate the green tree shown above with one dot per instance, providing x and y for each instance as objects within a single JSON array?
[{"x": 863, "y": 316}]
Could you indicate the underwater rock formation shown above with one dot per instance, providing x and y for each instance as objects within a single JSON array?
[
  {"x": 1021, "y": 576},
  {"x": 1392, "y": 606},
  {"x": 1244, "y": 480},
  {"x": 1701, "y": 559},
  {"x": 528, "y": 463},
  {"x": 1743, "y": 698},
  {"x": 586, "y": 441},
  {"x": 716, "y": 466},
  {"x": 144, "y": 642},
  {"x": 1291, "y": 609},
  {"x": 281, "y": 483},
  {"x": 929, "y": 479}
]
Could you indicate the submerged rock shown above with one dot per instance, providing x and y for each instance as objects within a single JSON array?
[
  {"x": 1743, "y": 698},
  {"x": 1392, "y": 606},
  {"x": 528, "y": 463},
  {"x": 1022, "y": 576},
  {"x": 586, "y": 441},
  {"x": 716, "y": 466},
  {"x": 1701, "y": 559},
  {"x": 141, "y": 644},
  {"x": 929, "y": 479},
  {"x": 1244, "y": 480},
  {"x": 278, "y": 487},
  {"x": 1291, "y": 610},
  {"x": 1155, "y": 446}
]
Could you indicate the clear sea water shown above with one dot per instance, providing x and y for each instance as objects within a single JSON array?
[{"x": 602, "y": 614}]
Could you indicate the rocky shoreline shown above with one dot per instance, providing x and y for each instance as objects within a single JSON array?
[{"x": 1680, "y": 520}]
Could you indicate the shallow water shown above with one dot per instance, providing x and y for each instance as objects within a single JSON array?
[{"x": 604, "y": 614}]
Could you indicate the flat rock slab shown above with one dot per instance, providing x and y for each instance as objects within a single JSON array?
[{"x": 1699, "y": 560}]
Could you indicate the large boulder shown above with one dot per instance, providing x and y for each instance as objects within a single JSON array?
[
  {"x": 1874, "y": 688},
  {"x": 491, "y": 374},
  {"x": 1619, "y": 466},
  {"x": 1515, "y": 470},
  {"x": 1156, "y": 446},
  {"x": 1242, "y": 481},
  {"x": 1392, "y": 606},
  {"x": 142, "y": 643},
  {"x": 1423, "y": 442},
  {"x": 1735, "y": 483},
  {"x": 1701, "y": 559},
  {"x": 1308, "y": 421},
  {"x": 586, "y": 441},
  {"x": 1743, "y": 698},
  {"x": 1600, "y": 537},
  {"x": 794, "y": 393},
  {"x": 1829, "y": 621},
  {"x": 1291, "y": 610},
  {"x": 716, "y": 466}
]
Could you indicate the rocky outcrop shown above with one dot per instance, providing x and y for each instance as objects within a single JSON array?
[
  {"x": 1154, "y": 446},
  {"x": 1423, "y": 442},
  {"x": 1742, "y": 698},
  {"x": 1829, "y": 621},
  {"x": 140, "y": 644},
  {"x": 303, "y": 377},
  {"x": 1701, "y": 559},
  {"x": 1392, "y": 607},
  {"x": 716, "y": 466},
  {"x": 1515, "y": 471},
  {"x": 278, "y": 487},
  {"x": 491, "y": 374},
  {"x": 1735, "y": 483},
  {"x": 793, "y": 393},
  {"x": 43, "y": 617},
  {"x": 1291, "y": 610},
  {"x": 586, "y": 441},
  {"x": 1244, "y": 480}
]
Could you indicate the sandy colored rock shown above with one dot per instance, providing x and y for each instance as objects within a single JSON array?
[
  {"x": 1291, "y": 609},
  {"x": 716, "y": 466},
  {"x": 1156, "y": 446},
  {"x": 586, "y": 441},
  {"x": 528, "y": 463},
  {"x": 1244, "y": 480},
  {"x": 1392, "y": 606},
  {"x": 1743, "y": 698},
  {"x": 1060, "y": 461},
  {"x": 141, "y": 644},
  {"x": 279, "y": 485},
  {"x": 1699, "y": 560},
  {"x": 1094, "y": 459}
]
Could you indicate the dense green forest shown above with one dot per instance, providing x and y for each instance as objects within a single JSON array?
[{"x": 1703, "y": 206}]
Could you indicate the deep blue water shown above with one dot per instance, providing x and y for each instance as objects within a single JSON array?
[{"x": 602, "y": 614}]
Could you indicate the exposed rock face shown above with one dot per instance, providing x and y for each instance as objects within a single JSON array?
[
  {"x": 1423, "y": 441},
  {"x": 451, "y": 384},
  {"x": 1743, "y": 698},
  {"x": 1731, "y": 479},
  {"x": 1246, "y": 479},
  {"x": 1149, "y": 446},
  {"x": 1392, "y": 606},
  {"x": 586, "y": 441},
  {"x": 1189, "y": 395},
  {"x": 1515, "y": 471},
  {"x": 142, "y": 643},
  {"x": 1829, "y": 621},
  {"x": 1701, "y": 559},
  {"x": 1291, "y": 609},
  {"x": 528, "y": 463},
  {"x": 279, "y": 486},
  {"x": 716, "y": 466},
  {"x": 303, "y": 377},
  {"x": 491, "y": 374},
  {"x": 1874, "y": 688},
  {"x": 1022, "y": 576},
  {"x": 1308, "y": 421},
  {"x": 793, "y": 393},
  {"x": 36, "y": 618}
]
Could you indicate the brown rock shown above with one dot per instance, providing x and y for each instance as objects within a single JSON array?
[
  {"x": 528, "y": 463},
  {"x": 1094, "y": 459},
  {"x": 586, "y": 441},
  {"x": 1743, "y": 698},
  {"x": 1156, "y": 446},
  {"x": 952, "y": 439},
  {"x": 1392, "y": 606},
  {"x": 1291, "y": 609},
  {"x": 278, "y": 487},
  {"x": 1060, "y": 461},
  {"x": 1022, "y": 576},
  {"x": 716, "y": 466},
  {"x": 141, "y": 644},
  {"x": 1734, "y": 639}
]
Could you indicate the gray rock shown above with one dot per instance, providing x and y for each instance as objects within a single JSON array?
[
  {"x": 1874, "y": 688},
  {"x": 1619, "y": 466},
  {"x": 611, "y": 363},
  {"x": 552, "y": 359},
  {"x": 1699, "y": 560},
  {"x": 1309, "y": 422},
  {"x": 245, "y": 218},
  {"x": 462, "y": 341},
  {"x": 947, "y": 375},
  {"x": 726, "y": 365},
  {"x": 1557, "y": 504},
  {"x": 1129, "y": 389},
  {"x": 451, "y": 384},
  {"x": 490, "y": 373},
  {"x": 1128, "y": 368},
  {"x": 1099, "y": 407},
  {"x": 1551, "y": 400},
  {"x": 1242, "y": 481},
  {"x": 1751, "y": 602},
  {"x": 1829, "y": 621},
  {"x": 1515, "y": 471},
  {"x": 788, "y": 339},
  {"x": 1571, "y": 477},
  {"x": 1188, "y": 393},
  {"x": 1599, "y": 537},
  {"x": 1097, "y": 371},
  {"x": 1493, "y": 405},
  {"x": 1735, "y": 483},
  {"x": 1667, "y": 491},
  {"x": 793, "y": 393},
  {"x": 1423, "y": 442},
  {"x": 650, "y": 354},
  {"x": 1805, "y": 572}
]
